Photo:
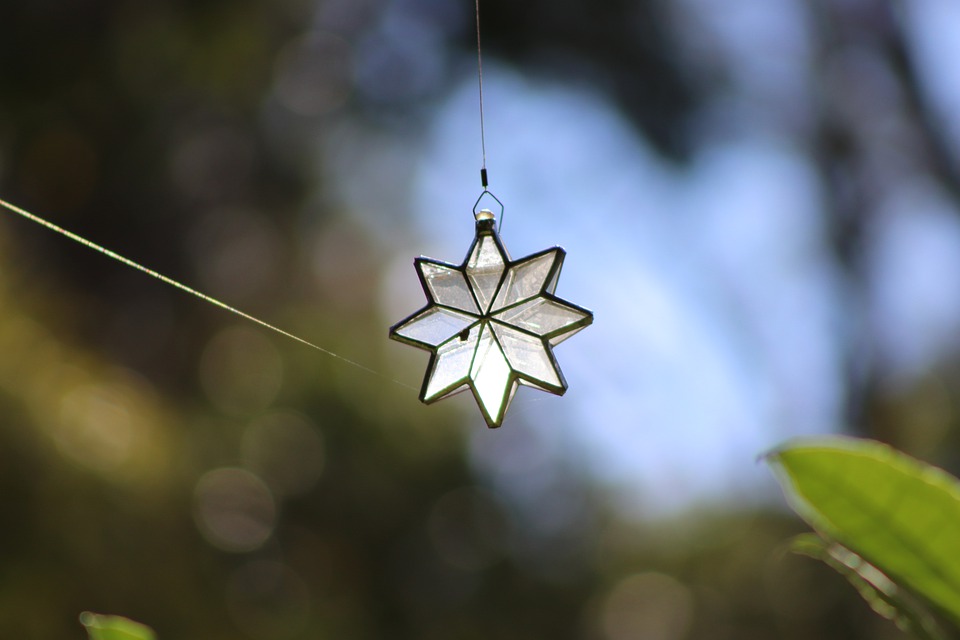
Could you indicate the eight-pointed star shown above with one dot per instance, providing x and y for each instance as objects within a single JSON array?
[{"x": 490, "y": 324}]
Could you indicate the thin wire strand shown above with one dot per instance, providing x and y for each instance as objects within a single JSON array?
[
  {"x": 483, "y": 142},
  {"x": 170, "y": 281}
]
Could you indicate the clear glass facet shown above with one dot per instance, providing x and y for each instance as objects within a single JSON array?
[
  {"x": 491, "y": 374},
  {"x": 527, "y": 355},
  {"x": 541, "y": 316},
  {"x": 448, "y": 286},
  {"x": 551, "y": 287},
  {"x": 524, "y": 280},
  {"x": 435, "y": 325},
  {"x": 557, "y": 339},
  {"x": 452, "y": 364},
  {"x": 485, "y": 268}
]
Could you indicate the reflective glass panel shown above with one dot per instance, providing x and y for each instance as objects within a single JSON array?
[
  {"x": 485, "y": 268},
  {"x": 551, "y": 287},
  {"x": 557, "y": 339},
  {"x": 452, "y": 365},
  {"x": 435, "y": 325},
  {"x": 526, "y": 354},
  {"x": 448, "y": 286},
  {"x": 541, "y": 316},
  {"x": 491, "y": 374},
  {"x": 525, "y": 280}
]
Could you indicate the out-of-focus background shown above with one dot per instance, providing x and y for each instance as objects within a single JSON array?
[{"x": 760, "y": 200}]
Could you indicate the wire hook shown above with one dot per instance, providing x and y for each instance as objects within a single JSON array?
[{"x": 487, "y": 192}]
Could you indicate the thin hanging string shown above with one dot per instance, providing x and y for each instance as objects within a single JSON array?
[
  {"x": 159, "y": 276},
  {"x": 483, "y": 142},
  {"x": 484, "y": 181}
]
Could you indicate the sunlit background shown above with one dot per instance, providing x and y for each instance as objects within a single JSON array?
[{"x": 760, "y": 201}]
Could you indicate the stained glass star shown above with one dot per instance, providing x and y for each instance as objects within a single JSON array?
[{"x": 491, "y": 323}]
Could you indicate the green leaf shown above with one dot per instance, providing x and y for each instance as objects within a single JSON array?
[
  {"x": 899, "y": 514},
  {"x": 100, "y": 627},
  {"x": 880, "y": 592}
]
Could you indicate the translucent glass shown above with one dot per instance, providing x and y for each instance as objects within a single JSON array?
[
  {"x": 551, "y": 287},
  {"x": 557, "y": 339},
  {"x": 452, "y": 366},
  {"x": 435, "y": 325},
  {"x": 525, "y": 280},
  {"x": 448, "y": 286},
  {"x": 527, "y": 355},
  {"x": 485, "y": 268},
  {"x": 491, "y": 375},
  {"x": 486, "y": 255},
  {"x": 541, "y": 316}
]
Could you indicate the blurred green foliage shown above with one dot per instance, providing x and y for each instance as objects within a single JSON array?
[
  {"x": 888, "y": 521},
  {"x": 101, "y": 627},
  {"x": 882, "y": 594}
]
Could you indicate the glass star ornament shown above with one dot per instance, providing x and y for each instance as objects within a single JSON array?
[{"x": 491, "y": 323}]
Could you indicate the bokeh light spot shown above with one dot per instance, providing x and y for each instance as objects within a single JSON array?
[
  {"x": 210, "y": 163},
  {"x": 234, "y": 509},
  {"x": 95, "y": 426},
  {"x": 109, "y": 425},
  {"x": 241, "y": 371},
  {"x": 239, "y": 254},
  {"x": 313, "y": 74},
  {"x": 286, "y": 450},
  {"x": 401, "y": 60},
  {"x": 647, "y": 606}
]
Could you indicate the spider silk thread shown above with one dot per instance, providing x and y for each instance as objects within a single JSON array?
[{"x": 182, "y": 287}]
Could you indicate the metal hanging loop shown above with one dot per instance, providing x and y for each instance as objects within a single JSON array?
[{"x": 486, "y": 192}]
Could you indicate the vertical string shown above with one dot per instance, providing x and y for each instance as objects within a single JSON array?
[
  {"x": 483, "y": 142},
  {"x": 484, "y": 181}
]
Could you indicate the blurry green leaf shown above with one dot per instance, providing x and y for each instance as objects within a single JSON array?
[
  {"x": 899, "y": 514},
  {"x": 882, "y": 594},
  {"x": 100, "y": 627}
]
